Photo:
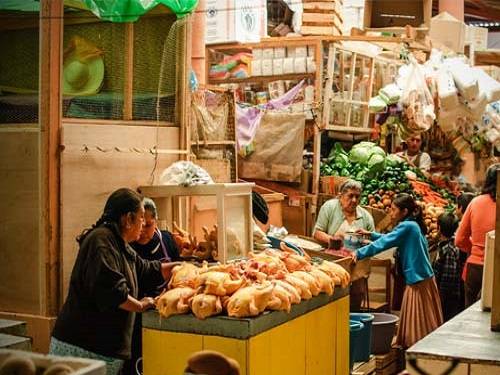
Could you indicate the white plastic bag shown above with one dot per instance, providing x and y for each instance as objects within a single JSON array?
[
  {"x": 185, "y": 173},
  {"x": 418, "y": 104}
]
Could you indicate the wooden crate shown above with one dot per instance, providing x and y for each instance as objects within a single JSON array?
[
  {"x": 322, "y": 17},
  {"x": 390, "y": 363},
  {"x": 364, "y": 368},
  {"x": 298, "y": 215}
]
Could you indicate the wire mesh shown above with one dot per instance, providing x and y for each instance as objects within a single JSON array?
[
  {"x": 19, "y": 60},
  {"x": 155, "y": 53}
]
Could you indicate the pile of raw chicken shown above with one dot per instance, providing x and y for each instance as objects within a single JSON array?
[{"x": 269, "y": 280}]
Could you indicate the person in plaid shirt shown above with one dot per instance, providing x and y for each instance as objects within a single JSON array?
[{"x": 448, "y": 268}]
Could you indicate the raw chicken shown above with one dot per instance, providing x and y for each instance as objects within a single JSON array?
[
  {"x": 295, "y": 262},
  {"x": 314, "y": 286},
  {"x": 301, "y": 286},
  {"x": 184, "y": 241},
  {"x": 336, "y": 272},
  {"x": 291, "y": 290},
  {"x": 326, "y": 283},
  {"x": 184, "y": 274},
  {"x": 250, "y": 300},
  {"x": 205, "y": 305},
  {"x": 175, "y": 301},
  {"x": 269, "y": 262},
  {"x": 280, "y": 299},
  {"x": 233, "y": 243},
  {"x": 217, "y": 283}
]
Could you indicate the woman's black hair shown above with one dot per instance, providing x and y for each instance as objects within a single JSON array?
[
  {"x": 448, "y": 224},
  {"x": 149, "y": 205},
  {"x": 406, "y": 201},
  {"x": 119, "y": 203},
  {"x": 259, "y": 208},
  {"x": 490, "y": 184},
  {"x": 463, "y": 200}
]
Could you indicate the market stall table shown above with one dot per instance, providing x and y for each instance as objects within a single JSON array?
[
  {"x": 312, "y": 339},
  {"x": 466, "y": 339}
]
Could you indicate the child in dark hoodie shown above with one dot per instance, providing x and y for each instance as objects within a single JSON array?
[{"x": 448, "y": 268}]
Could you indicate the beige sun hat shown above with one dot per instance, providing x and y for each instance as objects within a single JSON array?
[{"x": 83, "y": 68}]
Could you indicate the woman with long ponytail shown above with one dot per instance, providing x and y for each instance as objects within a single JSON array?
[
  {"x": 97, "y": 318},
  {"x": 421, "y": 307}
]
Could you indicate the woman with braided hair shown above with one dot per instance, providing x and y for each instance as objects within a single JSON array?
[{"x": 97, "y": 319}]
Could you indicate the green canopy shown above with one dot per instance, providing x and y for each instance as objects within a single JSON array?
[
  {"x": 109, "y": 10},
  {"x": 131, "y": 10}
]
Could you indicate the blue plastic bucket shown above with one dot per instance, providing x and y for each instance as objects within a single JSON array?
[
  {"x": 355, "y": 328},
  {"x": 362, "y": 350}
]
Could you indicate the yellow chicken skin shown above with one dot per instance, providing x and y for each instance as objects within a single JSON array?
[
  {"x": 174, "y": 302},
  {"x": 205, "y": 305},
  {"x": 250, "y": 300}
]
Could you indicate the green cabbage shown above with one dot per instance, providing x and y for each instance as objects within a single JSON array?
[
  {"x": 359, "y": 155},
  {"x": 393, "y": 160},
  {"x": 363, "y": 151},
  {"x": 376, "y": 163}
]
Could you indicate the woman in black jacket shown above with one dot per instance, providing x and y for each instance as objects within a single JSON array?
[{"x": 97, "y": 319}]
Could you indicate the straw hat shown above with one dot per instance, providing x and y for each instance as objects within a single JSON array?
[{"x": 83, "y": 68}]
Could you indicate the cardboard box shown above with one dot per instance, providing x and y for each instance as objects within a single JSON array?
[
  {"x": 478, "y": 37},
  {"x": 235, "y": 21},
  {"x": 449, "y": 31},
  {"x": 397, "y": 13}
]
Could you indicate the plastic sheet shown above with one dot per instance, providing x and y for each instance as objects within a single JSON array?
[
  {"x": 279, "y": 143},
  {"x": 131, "y": 10}
]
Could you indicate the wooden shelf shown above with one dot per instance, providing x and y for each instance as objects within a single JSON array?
[
  {"x": 340, "y": 100},
  {"x": 285, "y": 77},
  {"x": 350, "y": 129},
  {"x": 212, "y": 143}
]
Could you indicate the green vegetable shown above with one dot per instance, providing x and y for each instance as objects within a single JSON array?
[{"x": 376, "y": 163}]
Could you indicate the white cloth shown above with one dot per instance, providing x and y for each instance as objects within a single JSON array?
[{"x": 425, "y": 160}]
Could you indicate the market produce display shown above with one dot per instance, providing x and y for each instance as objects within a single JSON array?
[
  {"x": 269, "y": 280},
  {"x": 384, "y": 176}
]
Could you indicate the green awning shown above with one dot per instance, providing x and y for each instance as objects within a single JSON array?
[
  {"x": 131, "y": 10},
  {"x": 108, "y": 10}
]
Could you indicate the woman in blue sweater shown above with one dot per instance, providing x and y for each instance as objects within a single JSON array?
[{"x": 421, "y": 307}]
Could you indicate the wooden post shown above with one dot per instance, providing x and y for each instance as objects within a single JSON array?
[
  {"x": 183, "y": 94},
  {"x": 51, "y": 28},
  {"x": 128, "y": 84},
  {"x": 495, "y": 301},
  {"x": 366, "y": 112},
  {"x": 352, "y": 73}
]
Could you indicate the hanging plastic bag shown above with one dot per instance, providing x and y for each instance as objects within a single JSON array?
[
  {"x": 185, "y": 173},
  {"x": 418, "y": 104},
  {"x": 131, "y": 10}
]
